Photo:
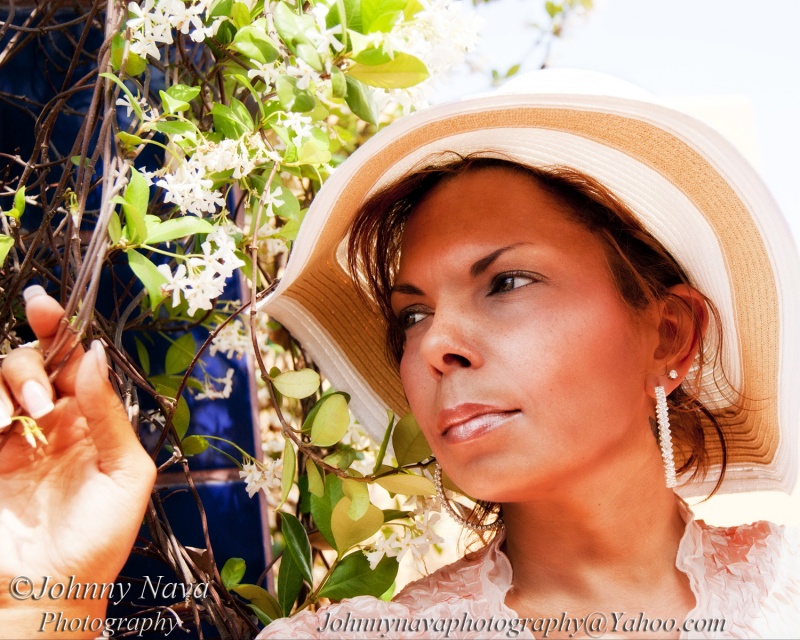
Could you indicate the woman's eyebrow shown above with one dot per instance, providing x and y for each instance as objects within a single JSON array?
[
  {"x": 408, "y": 289},
  {"x": 479, "y": 266}
]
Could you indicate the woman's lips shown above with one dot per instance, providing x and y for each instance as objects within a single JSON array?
[{"x": 469, "y": 421}]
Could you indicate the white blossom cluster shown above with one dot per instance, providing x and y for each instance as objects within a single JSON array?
[
  {"x": 154, "y": 21},
  {"x": 264, "y": 476},
  {"x": 416, "y": 541},
  {"x": 191, "y": 187},
  {"x": 441, "y": 35},
  {"x": 212, "y": 392},
  {"x": 201, "y": 278}
]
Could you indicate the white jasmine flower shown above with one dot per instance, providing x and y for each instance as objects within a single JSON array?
[
  {"x": 190, "y": 190},
  {"x": 300, "y": 125},
  {"x": 210, "y": 392},
  {"x": 265, "y": 475},
  {"x": 233, "y": 340},
  {"x": 175, "y": 283}
]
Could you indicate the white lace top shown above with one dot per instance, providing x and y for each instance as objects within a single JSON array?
[{"x": 746, "y": 576}]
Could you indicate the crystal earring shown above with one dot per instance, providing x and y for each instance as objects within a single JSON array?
[
  {"x": 665, "y": 436},
  {"x": 455, "y": 515}
]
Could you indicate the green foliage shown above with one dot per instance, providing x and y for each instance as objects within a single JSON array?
[
  {"x": 297, "y": 384},
  {"x": 353, "y": 576},
  {"x": 232, "y": 572},
  {"x": 6, "y": 242},
  {"x": 409, "y": 442}
]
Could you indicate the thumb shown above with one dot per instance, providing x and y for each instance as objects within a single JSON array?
[{"x": 117, "y": 445}]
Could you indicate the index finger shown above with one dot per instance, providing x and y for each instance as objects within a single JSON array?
[{"x": 44, "y": 317}]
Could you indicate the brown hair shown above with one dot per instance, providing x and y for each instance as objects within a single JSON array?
[{"x": 641, "y": 268}]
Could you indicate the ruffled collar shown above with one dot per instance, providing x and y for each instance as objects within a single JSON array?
[{"x": 496, "y": 572}]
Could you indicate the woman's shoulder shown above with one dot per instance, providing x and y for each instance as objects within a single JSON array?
[
  {"x": 767, "y": 549},
  {"x": 750, "y": 575},
  {"x": 413, "y": 613}
]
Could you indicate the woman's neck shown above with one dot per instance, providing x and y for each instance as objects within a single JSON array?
[{"x": 596, "y": 545}]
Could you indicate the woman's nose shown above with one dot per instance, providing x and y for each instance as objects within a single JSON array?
[{"x": 449, "y": 344}]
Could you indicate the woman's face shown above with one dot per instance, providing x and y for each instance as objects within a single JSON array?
[{"x": 523, "y": 366}]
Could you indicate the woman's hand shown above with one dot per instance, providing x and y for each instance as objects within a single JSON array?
[{"x": 71, "y": 507}]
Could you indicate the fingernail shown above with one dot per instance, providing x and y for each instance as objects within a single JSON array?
[
  {"x": 5, "y": 415},
  {"x": 99, "y": 352},
  {"x": 34, "y": 291},
  {"x": 37, "y": 399}
]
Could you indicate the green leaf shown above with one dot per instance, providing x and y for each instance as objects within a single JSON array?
[
  {"x": 287, "y": 473},
  {"x": 359, "y": 497},
  {"x": 260, "y": 597},
  {"x": 552, "y": 8},
  {"x": 348, "y": 532},
  {"x": 308, "y": 53},
  {"x": 372, "y": 56},
  {"x": 310, "y": 153},
  {"x": 409, "y": 442},
  {"x": 351, "y": 9},
  {"x": 290, "y": 581},
  {"x": 129, "y": 140},
  {"x": 135, "y": 201},
  {"x": 395, "y": 514},
  {"x": 167, "y": 385},
  {"x": 254, "y": 43},
  {"x": 183, "y": 92},
  {"x": 232, "y": 122},
  {"x": 240, "y": 14},
  {"x": 172, "y": 105},
  {"x": 19, "y": 200},
  {"x": 413, "y": 8},
  {"x": 331, "y": 421},
  {"x": 379, "y": 15},
  {"x": 297, "y": 384},
  {"x": 290, "y": 207},
  {"x": 292, "y": 98},
  {"x": 353, "y": 577},
  {"x": 256, "y": 97},
  {"x": 322, "y": 507},
  {"x": 233, "y": 572},
  {"x": 134, "y": 65},
  {"x": 402, "y": 72},
  {"x": 181, "y": 417},
  {"x": 297, "y": 545},
  {"x": 133, "y": 101},
  {"x": 316, "y": 480},
  {"x": 6, "y": 242},
  {"x": 179, "y": 228},
  {"x": 407, "y": 484},
  {"x": 192, "y": 445},
  {"x": 144, "y": 356},
  {"x": 385, "y": 442},
  {"x": 221, "y": 9},
  {"x": 342, "y": 458},
  {"x": 180, "y": 354},
  {"x": 293, "y": 30},
  {"x": 177, "y": 128},
  {"x": 338, "y": 83},
  {"x": 151, "y": 278},
  {"x": 359, "y": 99}
]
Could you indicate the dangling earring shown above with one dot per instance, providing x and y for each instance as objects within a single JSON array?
[
  {"x": 664, "y": 432},
  {"x": 437, "y": 479}
]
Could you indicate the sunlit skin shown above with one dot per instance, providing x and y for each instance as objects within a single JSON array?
[{"x": 533, "y": 382}]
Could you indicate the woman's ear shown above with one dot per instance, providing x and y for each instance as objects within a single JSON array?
[{"x": 682, "y": 325}]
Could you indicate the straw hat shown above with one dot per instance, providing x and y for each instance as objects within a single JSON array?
[{"x": 690, "y": 188}]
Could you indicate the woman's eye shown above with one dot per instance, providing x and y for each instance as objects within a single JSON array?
[
  {"x": 510, "y": 281},
  {"x": 411, "y": 317}
]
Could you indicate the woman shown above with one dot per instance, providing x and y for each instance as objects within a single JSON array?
[{"x": 543, "y": 281}]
